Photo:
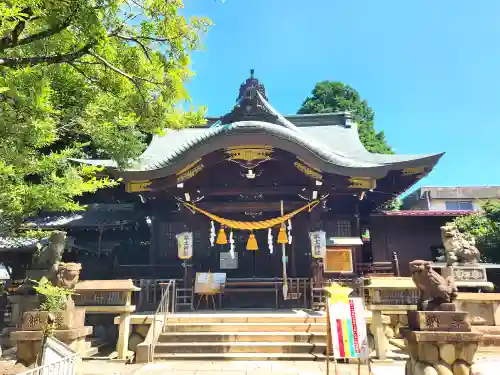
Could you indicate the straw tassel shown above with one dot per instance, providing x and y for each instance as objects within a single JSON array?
[
  {"x": 282, "y": 238},
  {"x": 252, "y": 242},
  {"x": 221, "y": 237}
]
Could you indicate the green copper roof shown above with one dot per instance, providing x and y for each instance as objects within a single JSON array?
[{"x": 330, "y": 142}]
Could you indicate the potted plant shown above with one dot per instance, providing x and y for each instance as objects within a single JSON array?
[{"x": 56, "y": 310}]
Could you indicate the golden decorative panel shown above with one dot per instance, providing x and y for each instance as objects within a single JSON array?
[
  {"x": 413, "y": 171},
  {"x": 308, "y": 170},
  {"x": 138, "y": 186},
  {"x": 189, "y": 171},
  {"x": 366, "y": 183},
  {"x": 249, "y": 153}
]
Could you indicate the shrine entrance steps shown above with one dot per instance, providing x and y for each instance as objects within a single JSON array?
[{"x": 245, "y": 336}]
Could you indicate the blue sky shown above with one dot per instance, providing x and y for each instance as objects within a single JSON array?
[{"x": 429, "y": 69}]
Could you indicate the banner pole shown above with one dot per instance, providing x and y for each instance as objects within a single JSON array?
[
  {"x": 284, "y": 259},
  {"x": 328, "y": 337}
]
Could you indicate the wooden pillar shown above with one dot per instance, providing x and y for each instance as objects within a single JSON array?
[
  {"x": 315, "y": 224},
  {"x": 189, "y": 222},
  {"x": 153, "y": 240},
  {"x": 124, "y": 329}
]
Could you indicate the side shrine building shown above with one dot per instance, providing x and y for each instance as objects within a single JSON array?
[{"x": 253, "y": 194}]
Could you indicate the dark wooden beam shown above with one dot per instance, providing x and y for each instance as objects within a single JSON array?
[
  {"x": 265, "y": 190},
  {"x": 242, "y": 207}
]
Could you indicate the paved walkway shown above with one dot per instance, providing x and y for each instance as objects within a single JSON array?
[
  {"x": 246, "y": 368},
  {"x": 487, "y": 366}
]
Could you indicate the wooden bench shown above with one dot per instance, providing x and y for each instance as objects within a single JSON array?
[{"x": 271, "y": 286}]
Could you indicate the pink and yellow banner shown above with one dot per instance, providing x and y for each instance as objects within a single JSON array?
[{"x": 348, "y": 328}]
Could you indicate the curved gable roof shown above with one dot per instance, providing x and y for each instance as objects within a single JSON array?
[{"x": 329, "y": 142}]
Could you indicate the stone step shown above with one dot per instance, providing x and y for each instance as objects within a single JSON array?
[
  {"x": 247, "y": 327},
  {"x": 239, "y": 356},
  {"x": 490, "y": 340},
  {"x": 239, "y": 347},
  {"x": 240, "y": 318},
  {"x": 307, "y": 337}
]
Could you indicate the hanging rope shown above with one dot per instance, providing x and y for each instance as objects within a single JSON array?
[{"x": 253, "y": 225}]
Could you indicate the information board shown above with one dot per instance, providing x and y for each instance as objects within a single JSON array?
[
  {"x": 338, "y": 260},
  {"x": 228, "y": 262},
  {"x": 209, "y": 283}
]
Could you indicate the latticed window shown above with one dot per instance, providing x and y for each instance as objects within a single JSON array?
[
  {"x": 343, "y": 228},
  {"x": 338, "y": 228},
  {"x": 168, "y": 242}
]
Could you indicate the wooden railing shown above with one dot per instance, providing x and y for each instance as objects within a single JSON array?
[{"x": 148, "y": 298}]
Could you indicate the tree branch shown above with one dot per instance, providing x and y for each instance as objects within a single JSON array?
[
  {"x": 134, "y": 79},
  {"x": 11, "y": 38},
  {"x": 43, "y": 34},
  {"x": 94, "y": 80},
  {"x": 16, "y": 62},
  {"x": 132, "y": 39}
]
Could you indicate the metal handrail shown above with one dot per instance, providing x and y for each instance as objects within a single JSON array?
[
  {"x": 164, "y": 308},
  {"x": 63, "y": 366}
]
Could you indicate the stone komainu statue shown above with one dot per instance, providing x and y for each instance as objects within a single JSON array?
[
  {"x": 50, "y": 255},
  {"x": 434, "y": 289},
  {"x": 458, "y": 247}
]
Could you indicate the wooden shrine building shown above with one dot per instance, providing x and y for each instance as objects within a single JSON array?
[{"x": 224, "y": 181}]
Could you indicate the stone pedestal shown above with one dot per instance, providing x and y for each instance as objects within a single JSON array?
[
  {"x": 21, "y": 304},
  {"x": 29, "y": 342},
  {"x": 68, "y": 328},
  {"x": 440, "y": 353},
  {"x": 440, "y": 343},
  {"x": 468, "y": 276}
]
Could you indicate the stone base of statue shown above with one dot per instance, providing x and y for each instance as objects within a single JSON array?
[
  {"x": 440, "y": 342},
  {"x": 29, "y": 343},
  {"x": 68, "y": 328},
  {"x": 468, "y": 276},
  {"x": 440, "y": 353}
]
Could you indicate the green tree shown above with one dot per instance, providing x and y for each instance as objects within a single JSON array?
[
  {"x": 393, "y": 205},
  {"x": 85, "y": 78},
  {"x": 485, "y": 227},
  {"x": 328, "y": 96}
]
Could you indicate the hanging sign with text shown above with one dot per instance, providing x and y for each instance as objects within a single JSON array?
[
  {"x": 318, "y": 244},
  {"x": 185, "y": 245}
]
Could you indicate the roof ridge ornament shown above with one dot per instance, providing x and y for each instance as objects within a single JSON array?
[{"x": 250, "y": 86}]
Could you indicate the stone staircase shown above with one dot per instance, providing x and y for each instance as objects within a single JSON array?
[{"x": 246, "y": 337}]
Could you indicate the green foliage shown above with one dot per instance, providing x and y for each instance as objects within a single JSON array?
[
  {"x": 392, "y": 205},
  {"x": 54, "y": 297},
  {"x": 485, "y": 227},
  {"x": 328, "y": 96},
  {"x": 85, "y": 78}
]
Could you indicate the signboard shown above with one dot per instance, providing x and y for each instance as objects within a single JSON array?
[
  {"x": 347, "y": 328},
  {"x": 227, "y": 262},
  {"x": 318, "y": 244},
  {"x": 5, "y": 272},
  {"x": 209, "y": 283},
  {"x": 184, "y": 245},
  {"x": 338, "y": 260},
  {"x": 219, "y": 278}
]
